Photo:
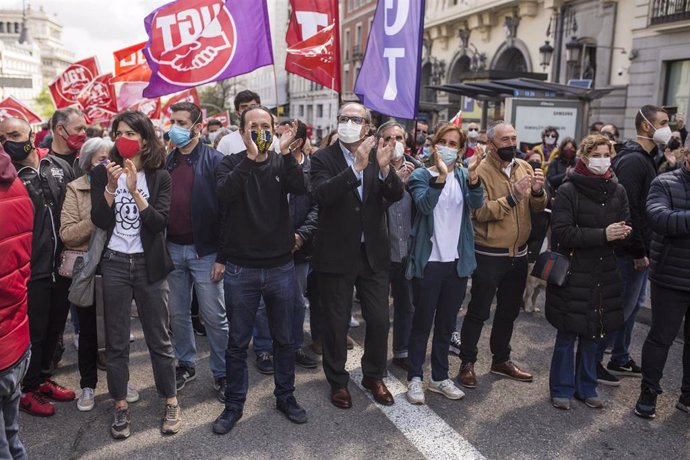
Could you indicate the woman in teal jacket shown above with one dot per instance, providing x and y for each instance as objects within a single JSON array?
[{"x": 441, "y": 256}]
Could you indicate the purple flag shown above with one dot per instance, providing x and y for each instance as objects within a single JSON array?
[
  {"x": 388, "y": 81},
  {"x": 193, "y": 42}
]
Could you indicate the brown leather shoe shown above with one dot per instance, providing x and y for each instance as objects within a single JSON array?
[
  {"x": 510, "y": 370},
  {"x": 466, "y": 376},
  {"x": 340, "y": 398},
  {"x": 379, "y": 390}
]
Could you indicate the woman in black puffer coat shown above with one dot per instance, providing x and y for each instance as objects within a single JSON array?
[{"x": 589, "y": 215}]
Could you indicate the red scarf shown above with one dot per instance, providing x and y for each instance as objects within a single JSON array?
[{"x": 581, "y": 168}]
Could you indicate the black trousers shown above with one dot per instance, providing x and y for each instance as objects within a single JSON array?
[
  {"x": 336, "y": 302},
  {"x": 669, "y": 307},
  {"x": 315, "y": 310},
  {"x": 47, "y": 310},
  {"x": 504, "y": 278},
  {"x": 88, "y": 346}
]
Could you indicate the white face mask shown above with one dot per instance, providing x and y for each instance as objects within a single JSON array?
[
  {"x": 349, "y": 132},
  {"x": 661, "y": 135},
  {"x": 599, "y": 166},
  {"x": 473, "y": 134},
  {"x": 549, "y": 140},
  {"x": 399, "y": 151}
]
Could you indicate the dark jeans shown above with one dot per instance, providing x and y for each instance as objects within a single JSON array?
[
  {"x": 47, "y": 309},
  {"x": 336, "y": 298},
  {"x": 504, "y": 278},
  {"x": 244, "y": 288},
  {"x": 573, "y": 373},
  {"x": 315, "y": 310},
  {"x": 402, "y": 309},
  {"x": 669, "y": 307},
  {"x": 88, "y": 346},
  {"x": 10, "y": 392},
  {"x": 437, "y": 300},
  {"x": 124, "y": 279}
]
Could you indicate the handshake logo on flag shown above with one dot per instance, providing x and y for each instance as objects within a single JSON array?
[{"x": 193, "y": 45}]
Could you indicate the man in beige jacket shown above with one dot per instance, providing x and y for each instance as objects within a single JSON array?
[{"x": 512, "y": 190}]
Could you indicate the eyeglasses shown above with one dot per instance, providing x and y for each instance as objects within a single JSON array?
[
  {"x": 397, "y": 138},
  {"x": 355, "y": 120},
  {"x": 611, "y": 136},
  {"x": 473, "y": 129}
]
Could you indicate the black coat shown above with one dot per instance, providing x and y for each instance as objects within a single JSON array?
[
  {"x": 343, "y": 216},
  {"x": 590, "y": 303},
  {"x": 557, "y": 171},
  {"x": 668, "y": 213},
  {"x": 635, "y": 169},
  {"x": 154, "y": 219}
]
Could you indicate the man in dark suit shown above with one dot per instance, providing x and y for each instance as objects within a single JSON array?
[{"x": 353, "y": 183}]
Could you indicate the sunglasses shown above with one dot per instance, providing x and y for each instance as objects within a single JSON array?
[
  {"x": 473, "y": 129},
  {"x": 355, "y": 120},
  {"x": 550, "y": 136}
]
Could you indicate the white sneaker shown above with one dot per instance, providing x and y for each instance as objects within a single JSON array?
[
  {"x": 86, "y": 401},
  {"x": 132, "y": 394},
  {"x": 353, "y": 322},
  {"x": 75, "y": 341},
  {"x": 447, "y": 388},
  {"x": 415, "y": 391}
]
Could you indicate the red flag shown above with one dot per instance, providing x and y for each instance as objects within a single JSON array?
[
  {"x": 457, "y": 119},
  {"x": 149, "y": 107},
  {"x": 189, "y": 95},
  {"x": 313, "y": 40},
  {"x": 97, "y": 100},
  {"x": 69, "y": 84},
  {"x": 223, "y": 117},
  {"x": 12, "y": 108},
  {"x": 130, "y": 64}
]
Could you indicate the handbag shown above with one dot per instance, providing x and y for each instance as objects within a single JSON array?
[
  {"x": 553, "y": 267},
  {"x": 67, "y": 260}
]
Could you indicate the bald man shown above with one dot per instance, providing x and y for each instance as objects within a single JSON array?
[{"x": 45, "y": 177}]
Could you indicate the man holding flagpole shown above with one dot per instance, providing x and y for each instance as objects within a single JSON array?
[{"x": 353, "y": 183}]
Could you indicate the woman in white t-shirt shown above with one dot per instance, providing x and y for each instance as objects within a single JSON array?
[
  {"x": 441, "y": 256},
  {"x": 131, "y": 200}
]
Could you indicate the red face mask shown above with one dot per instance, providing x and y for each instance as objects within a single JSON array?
[
  {"x": 128, "y": 148},
  {"x": 74, "y": 141}
]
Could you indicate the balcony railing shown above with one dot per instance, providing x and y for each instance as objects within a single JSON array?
[{"x": 665, "y": 11}]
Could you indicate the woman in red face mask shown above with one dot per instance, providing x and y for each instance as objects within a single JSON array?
[
  {"x": 559, "y": 165},
  {"x": 131, "y": 201}
]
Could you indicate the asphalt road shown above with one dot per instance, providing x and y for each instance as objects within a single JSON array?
[{"x": 500, "y": 419}]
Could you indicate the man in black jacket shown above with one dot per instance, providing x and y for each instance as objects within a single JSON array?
[
  {"x": 258, "y": 240},
  {"x": 193, "y": 242},
  {"x": 668, "y": 213},
  {"x": 46, "y": 178},
  {"x": 635, "y": 168},
  {"x": 353, "y": 183}
]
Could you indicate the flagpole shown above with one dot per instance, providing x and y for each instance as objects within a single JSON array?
[{"x": 275, "y": 83}]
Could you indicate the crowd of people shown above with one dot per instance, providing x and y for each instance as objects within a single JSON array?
[{"x": 245, "y": 223}]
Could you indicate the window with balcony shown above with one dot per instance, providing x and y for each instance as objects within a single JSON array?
[{"x": 665, "y": 11}]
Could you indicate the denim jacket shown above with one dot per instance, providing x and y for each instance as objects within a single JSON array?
[
  {"x": 205, "y": 209},
  {"x": 425, "y": 193}
]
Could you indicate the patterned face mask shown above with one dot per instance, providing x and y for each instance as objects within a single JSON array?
[{"x": 262, "y": 139}]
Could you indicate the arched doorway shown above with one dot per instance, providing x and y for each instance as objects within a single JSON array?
[
  {"x": 461, "y": 64},
  {"x": 511, "y": 59},
  {"x": 426, "y": 94}
]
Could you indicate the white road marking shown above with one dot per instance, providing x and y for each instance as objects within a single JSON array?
[{"x": 428, "y": 432}]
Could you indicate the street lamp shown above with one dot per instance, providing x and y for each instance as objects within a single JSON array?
[
  {"x": 573, "y": 50},
  {"x": 546, "y": 51}
]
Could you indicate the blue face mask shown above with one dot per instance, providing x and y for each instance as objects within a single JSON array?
[
  {"x": 180, "y": 136},
  {"x": 426, "y": 151},
  {"x": 262, "y": 139},
  {"x": 448, "y": 155}
]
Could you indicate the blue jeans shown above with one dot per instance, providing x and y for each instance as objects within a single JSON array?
[
  {"x": 261, "y": 336},
  {"x": 10, "y": 391},
  {"x": 633, "y": 297},
  {"x": 244, "y": 288},
  {"x": 573, "y": 374},
  {"x": 300, "y": 307},
  {"x": 190, "y": 269},
  {"x": 437, "y": 300}
]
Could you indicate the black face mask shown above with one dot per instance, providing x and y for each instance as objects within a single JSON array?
[
  {"x": 506, "y": 153},
  {"x": 535, "y": 164},
  {"x": 18, "y": 151}
]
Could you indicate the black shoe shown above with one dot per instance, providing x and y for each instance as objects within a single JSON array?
[
  {"x": 684, "y": 403},
  {"x": 605, "y": 378},
  {"x": 219, "y": 385},
  {"x": 226, "y": 421},
  {"x": 184, "y": 374},
  {"x": 628, "y": 369},
  {"x": 646, "y": 403},
  {"x": 402, "y": 363},
  {"x": 293, "y": 411},
  {"x": 303, "y": 360},
  {"x": 198, "y": 326},
  {"x": 264, "y": 363},
  {"x": 455, "y": 344}
]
